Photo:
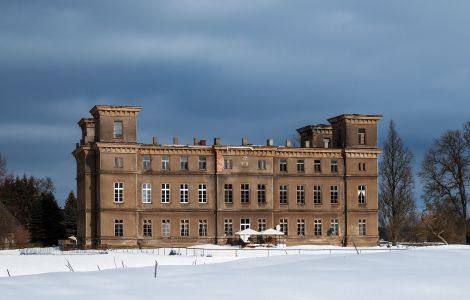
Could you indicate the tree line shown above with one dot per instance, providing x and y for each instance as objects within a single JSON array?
[
  {"x": 445, "y": 177},
  {"x": 29, "y": 212}
]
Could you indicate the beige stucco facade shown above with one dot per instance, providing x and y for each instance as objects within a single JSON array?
[{"x": 120, "y": 184}]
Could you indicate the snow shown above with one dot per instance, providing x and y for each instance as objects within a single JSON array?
[{"x": 416, "y": 273}]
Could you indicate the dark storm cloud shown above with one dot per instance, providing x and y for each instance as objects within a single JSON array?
[{"x": 225, "y": 68}]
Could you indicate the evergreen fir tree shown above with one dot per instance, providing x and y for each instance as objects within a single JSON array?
[
  {"x": 52, "y": 219},
  {"x": 70, "y": 215}
]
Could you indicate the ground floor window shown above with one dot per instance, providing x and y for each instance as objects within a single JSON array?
[
  {"x": 261, "y": 225},
  {"x": 334, "y": 227},
  {"x": 202, "y": 227},
  {"x": 118, "y": 228},
  {"x": 284, "y": 223},
  {"x": 228, "y": 228},
  {"x": 184, "y": 227},
  {"x": 300, "y": 227},
  {"x": 244, "y": 224},
  {"x": 166, "y": 228},
  {"x": 148, "y": 228},
  {"x": 317, "y": 228},
  {"x": 362, "y": 227}
]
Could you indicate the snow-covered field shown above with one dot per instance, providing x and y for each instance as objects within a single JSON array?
[{"x": 418, "y": 273}]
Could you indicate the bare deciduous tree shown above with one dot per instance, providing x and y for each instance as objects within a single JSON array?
[
  {"x": 446, "y": 174},
  {"x": 3, "y": 168},
  {"x": 396, "y": 203}
]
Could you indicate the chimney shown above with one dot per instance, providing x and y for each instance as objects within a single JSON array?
[
  {"x": 202, "y": 142},
  {"x": 196, "y": 141},
  {"x": 307, "y": 144},
  {"x": 288, "y": 143},
  {"x": 244, "y": 141},
  {"x": 155, "y": 140},
  {"x": 175, "y": 140},
  {"x": 217, "y": 141},
  {"x": 270, "y": 142}
]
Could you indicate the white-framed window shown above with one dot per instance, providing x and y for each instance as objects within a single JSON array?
[
  {"x": 118, "y": 129},
  {"x": 361, "y": 136},
  {"x": 146, "y": 163},
  {"x": 118, "y": 162},
  {"x": 202, "y": 227},
  {"x": 334, "y": 227},
  {"x": 184, "y": 227},
  {"x": 334, "y": 194},
  {"x": 317, "y": 227},
  {"x": 261, "y": 164},
  {"x": 300, "y": 194},
  {"x": 361, "y": 194},
  {"x": 228, "y": 227},
  {"x": 184, "y": 193},
  {"x": 245, "y": 193},
  {"x": 119, "y": 192},
  {"x": 184, "y": 165},
  {"x": 300, "y": 166},
  {"x": 147, "y": 193},
  {"x": 165, "y": 193},
  {"x": 317, "y": 166},
  {"x": 202, "y": 163},
  {"x": 227, "y": 164},
  {"x": 283, "y": 194},
  {"x": 118, "y": 227},
  {"x": 261, "y": 193},
  {"x": 147, "y": 228},
  {"x": 284, "y": 226},
  {"x": 300, "y": 227},
  {"x": 262, "y": 225},
  {"x": 362, "y": 227},
  {"x": 283, "y": 165},
  {"x": 317, "y": 194},
  {"x": 334, "y": 166},
  {"x": 202, "y": 193},
  {"x": 166, "y": 227},
  {"x": 228, "y": 193},
  {"x": 165, "y": 163},
  {"x": 326, "y": 142},
  {"x": 244, "y": 223}
]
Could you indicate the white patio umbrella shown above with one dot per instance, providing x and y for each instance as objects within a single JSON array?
[
  {"x": 271, "y": 231},
  {"x": 245, "y": 234}
]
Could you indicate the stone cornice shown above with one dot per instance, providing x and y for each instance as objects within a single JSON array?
[
  {"x": 362, "y": 153},
  {"x": 357, "y": 119},
  {"x": 119, "y": 111}
]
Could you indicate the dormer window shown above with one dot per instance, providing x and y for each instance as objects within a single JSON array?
[
  {"x": 117, "y": 129},
  {"x": 361, "y": 136}
]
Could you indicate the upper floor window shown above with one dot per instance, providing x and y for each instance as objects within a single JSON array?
[
  {"x": 245, "y": 193},
  {"x": 228, "y": 193},
  {"x": 202, "y": 192},
  {"x": 362, "y": 227},
  {"x": 362, "y": 166},
  {"x": 202, "y": 163},
  {"x": 184, "y": 193},
  {"x": 283, "y": 165},
  {"x": 326, "y": 142},
  {"x": 147, "y": 193},
  {"x": 147, "y": 163},
  {"x": 334, "y": 166},
  {"x": 361, "y": 136},
  {"x": 165, "y": 163},
  {"x": 317, "y": 166},
  {"x": 361, "y": 194},
  {"x": 261, "y": 164},
  {"x": 184, "y": 166},
  {"x": 118, "y": 162},
  {"x": 334, "y": 194},
  {"x": 261, "y": 193},
  {"x": 317, "y": 194},
  {"x": 227, "y": 163},
  {"x": 300, "y": 166},
  {"x": 283, "y": 198},
  {"x": 118, "y": 192},
  {"x": 117, "y": 129},
  {"x": 165, "y": 193},
  {"x": 244, "y": 224},
  {"x": 300, "y": 194}
]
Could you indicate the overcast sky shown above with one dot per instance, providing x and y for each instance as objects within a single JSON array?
[{"x": 202, "y": 69}]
